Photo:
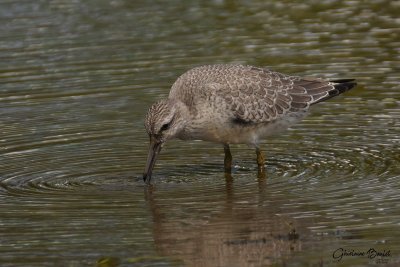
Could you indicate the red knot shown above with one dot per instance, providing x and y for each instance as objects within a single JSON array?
[{"x": 231, "y": 104}]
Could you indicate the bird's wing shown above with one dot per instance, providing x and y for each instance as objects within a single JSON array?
[{"x": 256, "y": 95}]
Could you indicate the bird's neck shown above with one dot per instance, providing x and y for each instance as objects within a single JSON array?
[{"x": 182, "y": 116}]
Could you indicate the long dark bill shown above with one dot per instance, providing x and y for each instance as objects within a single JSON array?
[{"x": 154, "y": 150}]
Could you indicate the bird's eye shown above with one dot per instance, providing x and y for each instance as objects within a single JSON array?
[{"x": 165, "y": 127}]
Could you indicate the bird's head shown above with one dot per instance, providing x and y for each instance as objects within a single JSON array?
[{"x": 164, "y": 121}]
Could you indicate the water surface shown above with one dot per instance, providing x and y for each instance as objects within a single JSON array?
[{"x": 77, "y": 77}]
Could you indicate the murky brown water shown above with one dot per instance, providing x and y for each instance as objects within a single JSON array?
[{"x": 76, "y": 78}]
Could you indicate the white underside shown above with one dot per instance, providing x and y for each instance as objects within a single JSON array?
[{"x": 222, "y": 131}]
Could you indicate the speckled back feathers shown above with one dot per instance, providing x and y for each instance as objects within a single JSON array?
[{"x": 254, "y": 95}]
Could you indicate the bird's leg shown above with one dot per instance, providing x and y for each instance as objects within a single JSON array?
[
  {"x": 227, "y": 159},
  {"x": 260, "y": 162}
]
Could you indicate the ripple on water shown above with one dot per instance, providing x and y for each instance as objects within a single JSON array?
[{"x": 59, "y": 183}]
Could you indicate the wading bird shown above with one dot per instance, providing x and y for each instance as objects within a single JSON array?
[{"x": 232, "y": 104}]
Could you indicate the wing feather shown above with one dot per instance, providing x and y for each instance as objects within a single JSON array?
[{"x": 255, "y": 95}]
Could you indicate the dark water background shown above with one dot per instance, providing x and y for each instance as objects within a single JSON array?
[{"x": 77, "y": 77}]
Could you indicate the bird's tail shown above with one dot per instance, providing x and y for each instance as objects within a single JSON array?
[{"x": 338, "y": 87}]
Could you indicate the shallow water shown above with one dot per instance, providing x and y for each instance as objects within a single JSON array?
[{"x": 77, "y": 78}]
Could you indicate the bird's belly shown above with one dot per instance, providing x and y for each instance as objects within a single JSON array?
[{"x": 231, "y": 133}]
